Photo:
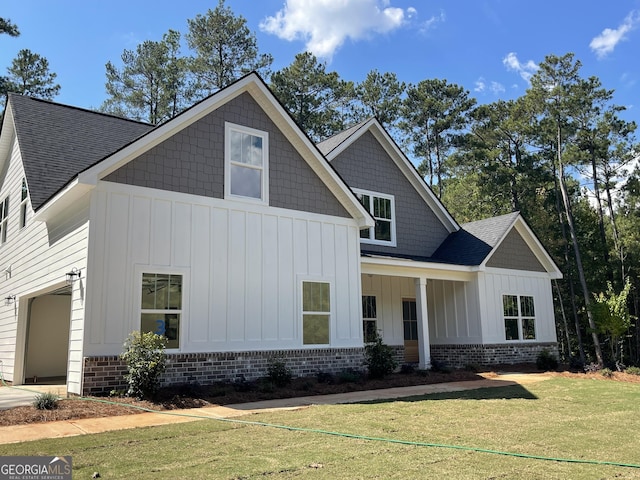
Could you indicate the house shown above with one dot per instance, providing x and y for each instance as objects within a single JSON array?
[{"x": 227, "y": 230}]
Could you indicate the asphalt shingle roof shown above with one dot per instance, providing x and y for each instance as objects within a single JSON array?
[
  {"x": 58, "y": 141},
  {"x": 474, "y": 241},
  {"x": 326, "y": 146}
]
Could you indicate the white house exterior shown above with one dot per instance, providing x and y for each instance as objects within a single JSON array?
[{"x": 227, "y": 230}]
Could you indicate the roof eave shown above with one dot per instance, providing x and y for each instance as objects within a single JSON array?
[{"x": 62, "y": 201}]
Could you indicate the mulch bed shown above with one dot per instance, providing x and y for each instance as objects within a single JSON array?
[{"x": 193, "y": 396}]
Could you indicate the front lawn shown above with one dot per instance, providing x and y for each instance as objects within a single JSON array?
[{"x": 578, "y": 419}]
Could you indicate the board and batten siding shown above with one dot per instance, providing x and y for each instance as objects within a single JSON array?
[
  {"x": 451, "y": 306},
  {"x": 495, "y": 283},
  {"x": 39, "y": 257},
  {"x": 242, "y": 267}
]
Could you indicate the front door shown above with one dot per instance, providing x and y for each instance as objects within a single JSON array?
[{"x": 410, "y": 320}]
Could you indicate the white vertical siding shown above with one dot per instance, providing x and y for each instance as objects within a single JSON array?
[
  {"x": 39, "y": 258},
  {"x": 496, "y": 283},
  {"x": 452, "y": 308},
  {"x": 244, "y": 264}
]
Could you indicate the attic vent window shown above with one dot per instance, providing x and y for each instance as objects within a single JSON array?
[
  {"x": 4, "y": 219},
  {"x": 23, "y": 204},
  {"x": 382, "y": 209},
  {"x": 246, "y": 163}
]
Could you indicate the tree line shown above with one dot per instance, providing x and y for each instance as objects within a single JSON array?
[{"x": 561, "y": 154}]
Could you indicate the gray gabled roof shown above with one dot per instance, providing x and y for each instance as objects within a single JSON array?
[
  {"x": 474, "y": 241},
  {"x": 326, "y": 146},
  {"x": 58, "y": 141}
]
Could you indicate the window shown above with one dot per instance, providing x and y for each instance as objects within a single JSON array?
[
  {"x": 4, "y": 219},
  {"x": 23, "y": 204},
  {"x": 246, "y": 162},
  {"x": 410, "y": 319},
  {"x": 369, "y": 316},
  {"x": 316, "y": 311},
  {"x": 519, "y": 317},
  {"x": 161, "y": 306},
  {"x": 382, "y": 208}
]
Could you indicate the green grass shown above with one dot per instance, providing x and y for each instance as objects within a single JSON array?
[{"x": 559, "y": 418}]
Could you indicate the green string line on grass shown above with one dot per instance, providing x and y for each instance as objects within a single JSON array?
[{"x": 351, "y": 435}]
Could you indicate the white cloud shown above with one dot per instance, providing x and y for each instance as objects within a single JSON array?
[
  {"x": 494, "y": 87},
  {"x": 525, "y": 70},
  {"x": 325, "y": 24},
  {"x": 432, "y": 22},
  {"x": 606, "y": 42},
  {"x": 497, "y": 88}
]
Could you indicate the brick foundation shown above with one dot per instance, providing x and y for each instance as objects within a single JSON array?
[
  {"x": 458, "y": 356},
  {"x": 103, "y": 374}
]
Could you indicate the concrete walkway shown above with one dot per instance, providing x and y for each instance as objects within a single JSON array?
[{"x": 67, "y": 428}]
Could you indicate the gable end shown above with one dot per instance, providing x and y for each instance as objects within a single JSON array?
[
  {"x": 514, "y": 253},
  {"x": 192, "y": 162},
  {"x": 366, "y": 165}
]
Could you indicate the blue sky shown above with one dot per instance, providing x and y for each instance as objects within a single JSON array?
[{"x": 490, "y": 47}]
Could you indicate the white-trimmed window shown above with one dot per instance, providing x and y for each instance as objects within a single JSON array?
[
  {"x": 246, "y": 163},
  {"x": 316, "y": 312},
  {"x": 161, "y": 306},
  {"x": 369, "y": 318},
  {"x": 4, "y": 219},
  {"x": 519, "y": 317},
  {"x": 23, "y": 203},
  {"x": 382, "y": 209}
]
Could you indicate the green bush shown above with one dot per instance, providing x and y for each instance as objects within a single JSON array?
[
  {"x": 144, "y": 354},
  {"x": 379, "y": 358},
  {"x": 46, "y": 401},
  {"x": 632, "y": 370},
  {"x": 278, "y": 373},
  {"x": 606, "y": 372},
  {"x": 546, "y": 361},
  {"x": 349, "y": 376}
]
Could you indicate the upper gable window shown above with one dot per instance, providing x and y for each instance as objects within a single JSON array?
[
  {"x": 382, "y": 208},
  {"x": 246, "y": 163}
]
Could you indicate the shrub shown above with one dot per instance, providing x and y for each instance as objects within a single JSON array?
[
  {"x": 407, "y": 368},
  {"x": 546, "y": 361},
  {"x": 278, "y": 373},
  {"x": 591, "y": 367},
  {"x": 379, "y": 358},
  {"x": 441, "y": 367},
  {"x": 349, "y": 376},
  {"x": 146, "y": 360},
  {"x": 632, "y": 370},
  {"x": 324, "y": 377},
  {"x": 606, "y": 372},
  {"x": 46, "y": 401},
  {"x": 472, "y": 367}
]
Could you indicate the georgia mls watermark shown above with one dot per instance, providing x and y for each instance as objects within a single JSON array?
[{"x": 35, "y": 468}]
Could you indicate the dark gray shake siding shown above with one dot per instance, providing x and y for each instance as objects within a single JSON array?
[
  {"x": 192, "y": 161},
  {"x": 514, "y": 253},
  {"x": 367, "y": 166}
]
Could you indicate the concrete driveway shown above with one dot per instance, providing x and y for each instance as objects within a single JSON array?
[{"x": 25, "y": 394}]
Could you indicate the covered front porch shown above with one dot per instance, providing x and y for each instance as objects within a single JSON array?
[{"x": 414, "y": 305}]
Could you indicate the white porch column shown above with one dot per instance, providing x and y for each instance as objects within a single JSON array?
[{"x": 424, "y": 351}]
